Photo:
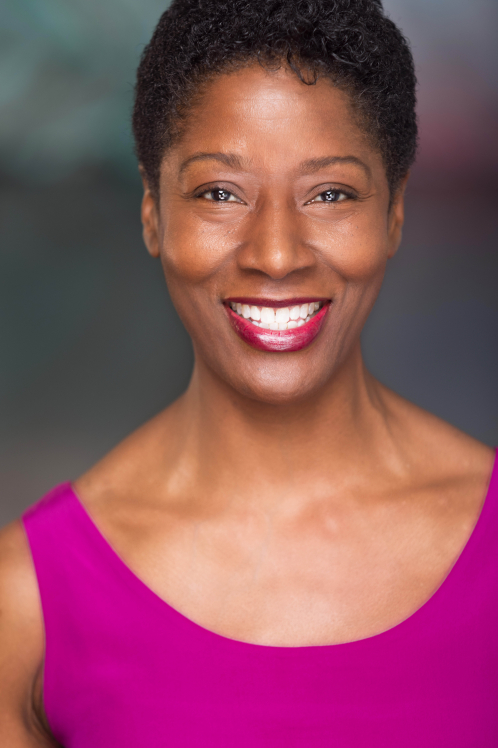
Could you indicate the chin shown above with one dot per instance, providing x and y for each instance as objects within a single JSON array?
[{"x": 284, "y": 387}]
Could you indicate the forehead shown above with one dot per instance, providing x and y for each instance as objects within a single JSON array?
[{"x": 273, "y": 117}]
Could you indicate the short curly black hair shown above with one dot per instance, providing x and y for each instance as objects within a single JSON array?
[{"x": 351, "y": 42}]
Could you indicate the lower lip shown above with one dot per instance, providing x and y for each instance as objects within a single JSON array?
[{"x": 283, "y": 341}]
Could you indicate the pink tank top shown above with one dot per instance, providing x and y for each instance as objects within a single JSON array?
[{"x": 123, "y": 669}]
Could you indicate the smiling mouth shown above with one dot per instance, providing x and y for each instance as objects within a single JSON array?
[
  {"x": 281, "y": 318},
  {"x": 283, "y": 326}
]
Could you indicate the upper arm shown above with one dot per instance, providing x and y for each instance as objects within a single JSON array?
[{"x": 21, "y": 645}]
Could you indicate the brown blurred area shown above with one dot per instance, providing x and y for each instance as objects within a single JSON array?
[{"x": 90, "y": 344}]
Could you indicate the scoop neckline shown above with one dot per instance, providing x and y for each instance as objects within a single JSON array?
[{"x": 149, "y": 595}]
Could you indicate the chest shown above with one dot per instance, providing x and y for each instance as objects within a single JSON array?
[{"x": 327, "y": 580}]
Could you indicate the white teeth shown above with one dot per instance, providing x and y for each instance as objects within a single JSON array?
[
  {"x": 267, "y": 315},
  {"x": 282, "y": 315},
  {"x": 283, "y": 318}
]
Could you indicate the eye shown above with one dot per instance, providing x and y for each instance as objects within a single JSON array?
[
  {"x": 219, "y": 195},
  {"x": 330, "y": 196}
]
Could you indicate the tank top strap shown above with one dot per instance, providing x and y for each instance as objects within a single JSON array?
[
  {"x": 50, "y": 519},
  {"x": 84, "y": 603},
  {"x": 63, "y": 545},
  {"x": 80, "y": 577}
]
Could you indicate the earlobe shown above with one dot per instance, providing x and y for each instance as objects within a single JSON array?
[
  {"x": 149, "y": 219},
  {"x": 396, "y": 218}
]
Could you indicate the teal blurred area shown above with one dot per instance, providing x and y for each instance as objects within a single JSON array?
[
  {"x": 90, "y": 343},
  {"x": 66, "y": 84}
]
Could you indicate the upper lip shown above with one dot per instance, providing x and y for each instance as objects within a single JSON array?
[{"x": 275, "y": 303}]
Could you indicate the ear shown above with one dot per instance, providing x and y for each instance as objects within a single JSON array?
[
  {"x": 396, "y": 218},
  {"x": 150, "y": 217}
]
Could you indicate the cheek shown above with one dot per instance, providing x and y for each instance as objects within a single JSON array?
[
  {"x": 193, "y": 250},
  {"x": 356, "y": 248}
]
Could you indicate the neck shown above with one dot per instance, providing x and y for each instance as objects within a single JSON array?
[{"x": 230, "y": 445}]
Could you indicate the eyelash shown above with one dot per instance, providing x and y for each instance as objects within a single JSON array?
[{"x": 217, "y": 188}]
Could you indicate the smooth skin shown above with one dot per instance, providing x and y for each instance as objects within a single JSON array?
[{"x": 285, "y": 499}]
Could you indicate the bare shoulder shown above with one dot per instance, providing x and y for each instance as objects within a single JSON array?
[
  {"x": 20, "y": 602},
  {"x": 439, "y": 451},
  {"x": 21, "y": 643},
  {"x": 131, "y": 471}
]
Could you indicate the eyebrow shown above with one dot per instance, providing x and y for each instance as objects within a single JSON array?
[
  {"x": 310, "y": 166},
  {"x": 315, "y": 164},
  {"x": 228, "y": 159}
]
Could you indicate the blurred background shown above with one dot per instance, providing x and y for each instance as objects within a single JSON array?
[{"x": 90, "y": 346}]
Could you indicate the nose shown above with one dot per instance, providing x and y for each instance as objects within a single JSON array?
[{"x": 274, "y": 244}]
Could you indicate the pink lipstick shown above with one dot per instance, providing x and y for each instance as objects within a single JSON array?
[{"x": 278, "y": 326}]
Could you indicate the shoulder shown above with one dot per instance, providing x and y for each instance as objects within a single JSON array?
[
  {"x": 133, "y": 469},
  {"x": 21, "y": 633},
  {"x": 437, "y": 451},
  {"x": 20, "y": 601}
]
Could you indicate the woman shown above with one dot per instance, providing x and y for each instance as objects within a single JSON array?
[{"x": 290, "y": 554}]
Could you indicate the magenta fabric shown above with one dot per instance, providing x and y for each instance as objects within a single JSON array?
[{"x": 123, "y": 669}]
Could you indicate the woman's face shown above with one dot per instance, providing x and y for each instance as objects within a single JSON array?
[{"x": 273, "y": 200}]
